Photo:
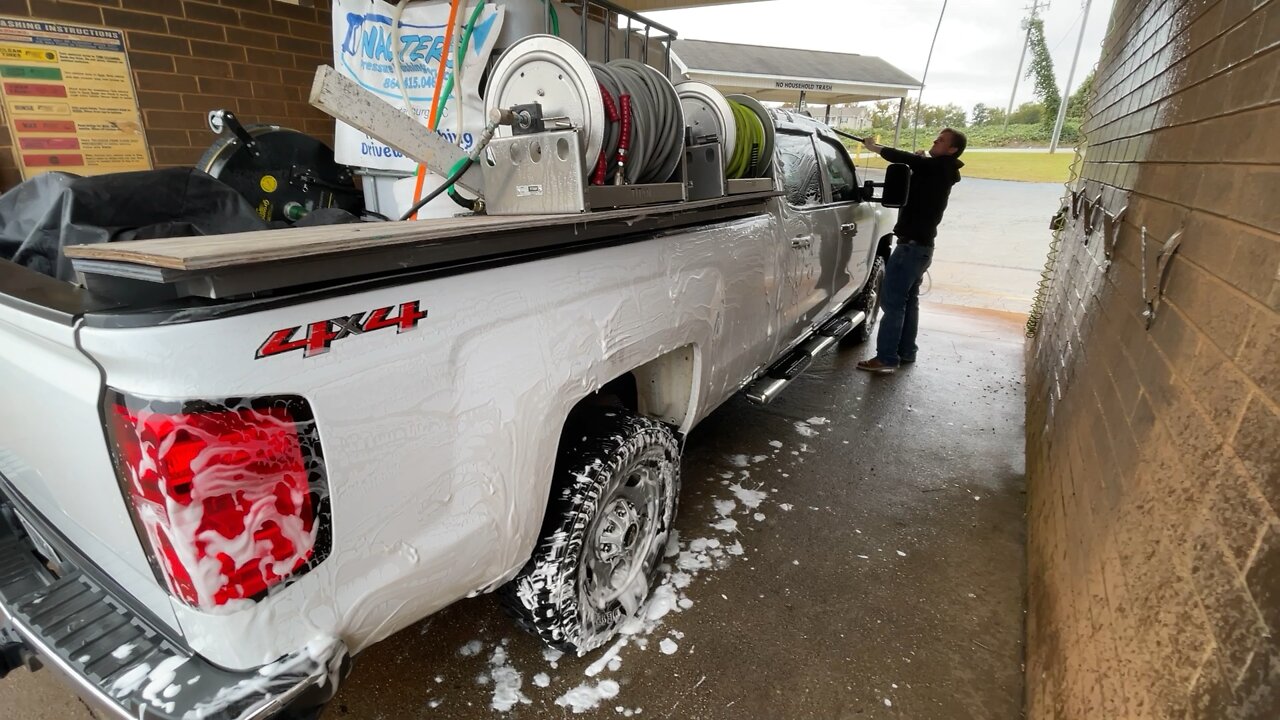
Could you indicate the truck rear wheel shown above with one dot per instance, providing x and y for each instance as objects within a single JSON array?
[{"x": 613, "y": 502}]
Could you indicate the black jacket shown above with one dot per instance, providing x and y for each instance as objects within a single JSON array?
[{"x": 931, "y": 181}]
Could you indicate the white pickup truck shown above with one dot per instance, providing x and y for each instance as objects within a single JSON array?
[{"x": 207, "y": 507}]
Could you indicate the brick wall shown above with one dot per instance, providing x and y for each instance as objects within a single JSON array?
[
  {"x": 1154, "y": 452},
  {"x": 254, "y": 57}
]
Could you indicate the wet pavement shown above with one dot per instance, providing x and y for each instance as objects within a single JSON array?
[
  {"x": 881, "y": 572},
  {"x": 992, "y": 244},
  {"x": 881, "y": 575}
]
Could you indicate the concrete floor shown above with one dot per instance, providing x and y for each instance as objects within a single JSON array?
[
  {"x": 883, "y": 576},
  {"x": 992, "y": 244}
]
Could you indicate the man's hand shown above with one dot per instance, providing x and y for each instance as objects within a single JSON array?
[
  {"x": 920, "y": 153},
  {"x": 871, "y": 145}
]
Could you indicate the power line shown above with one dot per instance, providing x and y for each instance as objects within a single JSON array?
[{"x": 1067, "y": 33}]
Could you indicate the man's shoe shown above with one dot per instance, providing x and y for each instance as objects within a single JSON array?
[{"x": 875, "y": 366}]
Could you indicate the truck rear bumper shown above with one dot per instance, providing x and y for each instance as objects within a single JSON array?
[{"x": 115, "y": 659}]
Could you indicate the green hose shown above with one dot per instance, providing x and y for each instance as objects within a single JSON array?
[
  {"x": 555, "y": 19},
  {"x": 746, "y": 153},
  {"x": 448, "y": 83},
  {"x": 462, "y": 56}
]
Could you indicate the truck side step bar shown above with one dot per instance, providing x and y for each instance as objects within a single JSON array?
[{"x": 781, "y": 373}]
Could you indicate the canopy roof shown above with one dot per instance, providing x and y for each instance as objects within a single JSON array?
[
  {"x": 780, "y": 74},
  {"x": 646, "y": 5}
]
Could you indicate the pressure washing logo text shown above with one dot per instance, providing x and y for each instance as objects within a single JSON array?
[{"x": 367, "y": 46}]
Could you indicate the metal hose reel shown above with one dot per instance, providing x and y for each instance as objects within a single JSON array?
[{"x": 284, "y": 174}]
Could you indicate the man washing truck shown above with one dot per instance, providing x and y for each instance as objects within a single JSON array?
[{"x": 932, "y": 176}]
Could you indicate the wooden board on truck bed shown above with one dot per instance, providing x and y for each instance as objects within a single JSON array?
[{"x": 243, "y": 263}]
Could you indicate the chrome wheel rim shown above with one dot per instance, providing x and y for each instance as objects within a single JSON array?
[{"x": 622, "y": 536}]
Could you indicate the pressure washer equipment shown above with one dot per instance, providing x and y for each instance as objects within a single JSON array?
[
  {"x": 740, "y": 123},
  {"x": 747, "y": 151},
  {"x": 708, "y": 115},
  {"x": 283, "y": 173},
  {"x": 649, "y": 124},
  {"x": 763, "y": 163},
  {"x": 463, "y": 164}
]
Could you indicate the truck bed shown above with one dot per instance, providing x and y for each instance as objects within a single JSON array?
[{"x": 245, "y": 263}]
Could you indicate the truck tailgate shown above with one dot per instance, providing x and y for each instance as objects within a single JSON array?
[{"x": 53, "y": 451}]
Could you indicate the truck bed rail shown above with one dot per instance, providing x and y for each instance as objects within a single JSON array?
[{"x": 244, "y": 263}]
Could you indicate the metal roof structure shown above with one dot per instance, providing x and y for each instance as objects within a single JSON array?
[
  {"x": 780, "y": 74},
  {"x": 648, "y": 5}
]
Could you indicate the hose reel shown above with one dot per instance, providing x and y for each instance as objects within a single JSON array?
[
  {"x": 590, "y": 135},
  {"x": 284, "y": 174},
  {"x": 741, "y": 123}
]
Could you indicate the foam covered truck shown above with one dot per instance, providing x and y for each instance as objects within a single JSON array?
[{"x": 211, "y": 503}]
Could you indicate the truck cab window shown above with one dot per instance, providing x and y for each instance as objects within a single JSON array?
[
  {"x": 840, "y": 174},
  {"x": 799, "y": 169}
]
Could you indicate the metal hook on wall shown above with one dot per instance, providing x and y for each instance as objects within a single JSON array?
[{"x": 1164, "y": 259}]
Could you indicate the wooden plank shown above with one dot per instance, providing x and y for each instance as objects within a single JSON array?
[
  {"x": 345, "y": 100},
  {"x": 265, "y": 246}
]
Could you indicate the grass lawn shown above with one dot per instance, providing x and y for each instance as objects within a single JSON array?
[{"x": 1021, "y": 166}]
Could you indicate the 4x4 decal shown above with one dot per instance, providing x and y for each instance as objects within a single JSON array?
[{"x": 320, "y": 335}]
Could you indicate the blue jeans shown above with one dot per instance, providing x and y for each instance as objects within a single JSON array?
[{"x": 900, "y": 300}]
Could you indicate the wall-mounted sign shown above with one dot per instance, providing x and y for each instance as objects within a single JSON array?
[
  {"x": 800, "y": 85},
  {"x": 68, "y": 99}
]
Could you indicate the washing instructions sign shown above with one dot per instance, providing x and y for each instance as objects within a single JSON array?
[
  {"x": 364, "y": 51},
  {"x": 68, "y": 99}
]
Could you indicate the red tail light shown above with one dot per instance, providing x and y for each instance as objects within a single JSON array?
[{"x": 231, "y": 496}]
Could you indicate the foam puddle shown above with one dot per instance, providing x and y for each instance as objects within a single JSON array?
[{"x": 648, "y": 631}]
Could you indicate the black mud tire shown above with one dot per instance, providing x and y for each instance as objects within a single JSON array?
[
  {"x": 867, "y": 301},
  {"x": 607, "y": 456}
]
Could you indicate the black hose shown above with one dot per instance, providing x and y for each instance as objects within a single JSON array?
[
  {"x": 465, "y": 203},
  {"x": 448, "y": 183}
]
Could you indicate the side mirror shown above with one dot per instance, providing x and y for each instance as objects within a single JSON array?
[{"x": 896, "y": 186}]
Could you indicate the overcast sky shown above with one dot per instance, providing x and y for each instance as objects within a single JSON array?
[{"x": 974, "y": 61}]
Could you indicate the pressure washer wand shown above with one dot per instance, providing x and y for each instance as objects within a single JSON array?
[{"x": 842, "y": 133}]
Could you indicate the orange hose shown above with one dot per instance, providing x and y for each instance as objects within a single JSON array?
[{"x": 435, "y": 99}]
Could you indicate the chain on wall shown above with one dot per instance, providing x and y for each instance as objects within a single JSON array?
[{"x": 1058, "y": 224}]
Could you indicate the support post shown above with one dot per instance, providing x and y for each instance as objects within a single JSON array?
[
  {"x": 1066, "y": 90},
  {"x": 897, "y": 130},
  {"x": 1026, "y": 40}
]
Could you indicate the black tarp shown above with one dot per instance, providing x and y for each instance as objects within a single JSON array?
[{"x": 51, "y": 211}]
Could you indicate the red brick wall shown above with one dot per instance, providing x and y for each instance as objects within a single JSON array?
[
  {"x": 254, "y": 57},
  {"x": 1154, "y": 453}
]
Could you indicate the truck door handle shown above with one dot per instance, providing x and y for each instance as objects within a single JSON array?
[
  {"x": 851, "y": 228},
  {"x": 801, "y": 241}
]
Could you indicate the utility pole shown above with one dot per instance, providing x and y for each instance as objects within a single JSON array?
[
  {"x": 1026, "y": 40},
  {"x": 915, "y": 124},
  {"x": 1066, "y": 90}
]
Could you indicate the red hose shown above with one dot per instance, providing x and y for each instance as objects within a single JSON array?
[
  {"x": 611, "y": 113},
  {"x": 624, "y": 142}
]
